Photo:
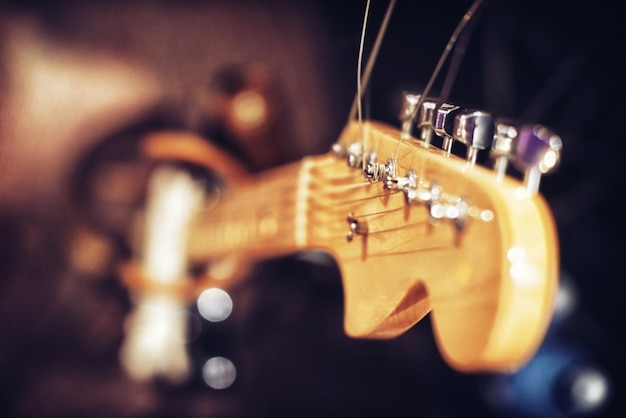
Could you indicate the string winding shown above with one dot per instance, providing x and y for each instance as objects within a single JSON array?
[{"x": 467, "y": 17}]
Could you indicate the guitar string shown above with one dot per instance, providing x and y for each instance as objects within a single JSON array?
[
  {"x": 467, "y": 17},
  {"x": 286, "y": 231},
  {"x": 382, "y": 212},
  {"x": 280, "y": 197},
  {"x": 287, "y": 210},
  {"x": 369, "y": 68},
  {"x": 372, "y": 59},
  {"x": 348, "y": 202},
  {"x": 406, "y": 252},
  {"x": 458, "y": 54},
  {"x": 287, "y": 204},
  {"x": 329, "y": 212},
  {"x": 451, "y": 43},
  {"x": 358, "y": 80},
  {"x": 281, "y": 194}
]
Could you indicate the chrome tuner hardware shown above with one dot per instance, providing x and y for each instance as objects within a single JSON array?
[
  {"x": 444, "y": 124},
  {"x": 503, "y": 145},
  {"x": 352, "y": 153},
  {"x": 455, "y": 210},
  {"x": 536, "y": 152},
  {"x": 355, "y": 154},
  {"x": 339, "y": 150},
  {"x": 426, "y": 121},
  {"x": 401, "y": 183},
  {"x": 474, "y": 129},
  {"x": 417, "y": 109},
  {"x": 356, "y": 227},
  {"x": 375, "y": 172},
  {"x": 416, "y": 192},
  {"x": 440, "y": 207},
  {"x": 408, "y": 111}
]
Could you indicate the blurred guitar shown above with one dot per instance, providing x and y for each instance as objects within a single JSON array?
[{"x": 427, "y": 231}]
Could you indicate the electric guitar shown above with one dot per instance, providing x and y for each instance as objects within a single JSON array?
[{"x": 424, "y": 232}]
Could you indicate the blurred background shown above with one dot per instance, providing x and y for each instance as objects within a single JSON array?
[{"x": 82, "y": 81}]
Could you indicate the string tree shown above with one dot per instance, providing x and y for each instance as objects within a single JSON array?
[
  {"x": 444, "y": 124},
  {"x": 405, "y": 184},
  {"x": 537, "y": 151},
  {"x": 475, "y": 129},
  {"x": 356, "y": 227}
]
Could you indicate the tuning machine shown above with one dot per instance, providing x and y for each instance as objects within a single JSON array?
[
  {"x": 408, "y": 110},
  {"x": 475, "y": 129},
  {"x": 504, "y": 142},
  {"x": 533, "y": 149},
  {"x": 420, "y": 111},
  {"x": 537, "y": 152},
  {"x": 444, "y": 124},
  {"x": 425, "y": 121}
]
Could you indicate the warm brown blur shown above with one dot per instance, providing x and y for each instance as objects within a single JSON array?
[
  {"x": 78, "y": 77},
  {"x": 269, "y": 82}
]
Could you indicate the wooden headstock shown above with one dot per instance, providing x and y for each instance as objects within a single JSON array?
[{"x": 490, "y": 279}]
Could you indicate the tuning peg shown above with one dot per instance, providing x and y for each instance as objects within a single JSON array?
[
  {"x": 426, "y": 120},
  {"x": 411, "y": 111},
  {"x": 444, "y": 123},
  {"x": 339, "y": 150},
  {"x": 503, "y": 145},
  {"x": 474, "y": 129},
  {"x": 408, "y": 110},
  {"x": 537, "y": 151}
]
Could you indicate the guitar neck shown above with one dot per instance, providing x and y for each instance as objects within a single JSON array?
[{"x": 262, "y": 217}]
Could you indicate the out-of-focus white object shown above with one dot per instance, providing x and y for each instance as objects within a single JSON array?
[
  {"x": 156, "y": 329},
  {"x": 219, "y": 373},
  {"x": 214, "y": 304}
]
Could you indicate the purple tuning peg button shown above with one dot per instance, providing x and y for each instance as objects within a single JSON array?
[
  {"x": 537, "y": 152},
  {"x": 475, "y": 130}
]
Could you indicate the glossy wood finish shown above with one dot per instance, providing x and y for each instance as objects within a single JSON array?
[{"x": 490, "y": 287}]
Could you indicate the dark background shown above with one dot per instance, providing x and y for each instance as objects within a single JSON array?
[{"x": 559, "y": 63}]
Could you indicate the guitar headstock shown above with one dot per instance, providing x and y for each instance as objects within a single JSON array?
[{"x": 429, "y": 231}]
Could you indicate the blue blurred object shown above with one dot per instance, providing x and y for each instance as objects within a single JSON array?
[{"x": 562, "y": 380}]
